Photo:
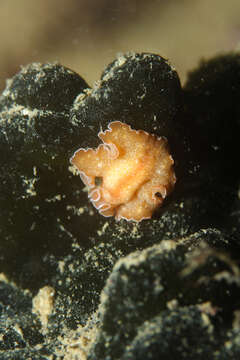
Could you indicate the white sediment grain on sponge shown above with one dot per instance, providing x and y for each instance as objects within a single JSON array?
[
  {"x": 120, "y": 61},
  {"x": 75, "y": 210},
  {"x": 29, "y": 186},
  {"x": 43, "y": 303}
]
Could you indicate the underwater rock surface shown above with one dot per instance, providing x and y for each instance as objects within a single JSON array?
[{"x": 74, "y": 283}]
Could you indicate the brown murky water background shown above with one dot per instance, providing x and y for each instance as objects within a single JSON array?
[{"x": 86, "y": 35}]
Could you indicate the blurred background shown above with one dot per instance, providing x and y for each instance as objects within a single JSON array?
[{"x": 85, "y": 35}]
